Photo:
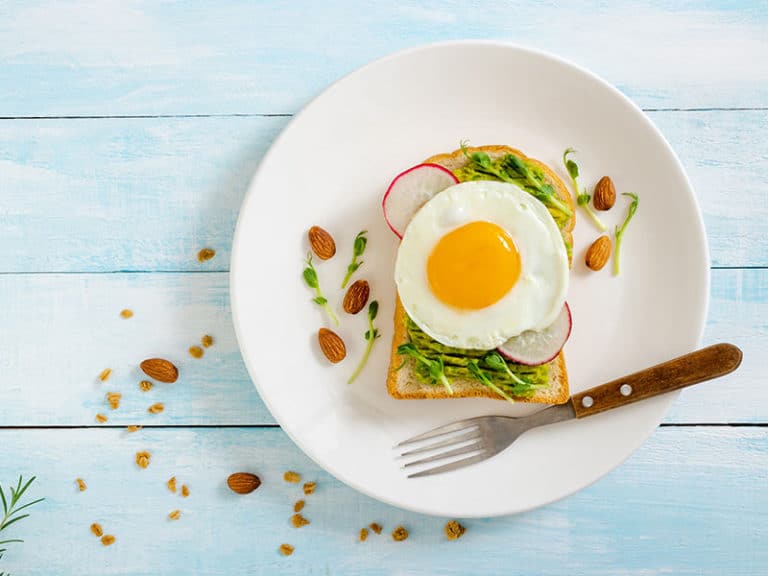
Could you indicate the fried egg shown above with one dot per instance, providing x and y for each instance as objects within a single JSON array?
[{"x": 481, "y": 262}]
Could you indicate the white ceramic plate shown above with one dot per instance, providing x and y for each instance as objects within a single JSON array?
[{"x": 331, "y": 166}]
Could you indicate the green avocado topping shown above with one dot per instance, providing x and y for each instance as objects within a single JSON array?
[
  {"x": 431, "y": 360},
  {"x": 515, "y": 170}
]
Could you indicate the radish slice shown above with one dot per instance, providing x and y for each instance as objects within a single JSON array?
[
  {"x": 539, "y": 347},
  {"x": 410, "y": 190}
]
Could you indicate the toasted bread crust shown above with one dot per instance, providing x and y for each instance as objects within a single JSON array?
[{"x": 402, "y": 382}]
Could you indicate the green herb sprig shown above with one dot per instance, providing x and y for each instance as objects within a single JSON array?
[
  {"x": 582, "y": 196},
  {"x": 495, "y": 361},
  {"x": 474, "y": 368},
  {"x": 619, "y": 232},
  {"x": 370, "y": 336},
  {"x": 310, "y": 277},
  {"x": 435, "y": 368},
  {"x": 511, "y": 168},
  {"x": 11, "y": 510},
  {"x": 357, "y": 250}
]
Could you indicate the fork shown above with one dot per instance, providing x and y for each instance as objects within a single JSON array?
[{"x": 485, "y": 436}]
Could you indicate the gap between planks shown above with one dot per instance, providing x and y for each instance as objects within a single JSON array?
[
  {"x": 270, "y": 426},
  {"x": 291, "y": 114}
]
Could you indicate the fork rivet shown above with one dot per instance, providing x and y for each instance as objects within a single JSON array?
[
  {"x": 625, "y": 389},
  {"x": 587, "y": 402}
]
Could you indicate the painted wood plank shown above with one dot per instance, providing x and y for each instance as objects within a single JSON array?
[
  {"x": 61, "y": 331},
  {"x": 154, "y": 191},
  {"x": 235, "y": 56},
  {"x": 690, "y": 501}
]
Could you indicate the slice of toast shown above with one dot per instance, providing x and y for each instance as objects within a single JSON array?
[{"x": 402, "y": 382}]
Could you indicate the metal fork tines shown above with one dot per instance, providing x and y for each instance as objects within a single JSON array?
[
  {"x": 462, "y": 438},
  {"x": 476, "y": 439}
]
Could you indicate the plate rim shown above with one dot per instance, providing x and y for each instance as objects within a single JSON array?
[{"x": 702, "y": 241}]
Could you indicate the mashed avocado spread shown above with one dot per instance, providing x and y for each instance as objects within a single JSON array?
[{"x": 455, "y": 362}]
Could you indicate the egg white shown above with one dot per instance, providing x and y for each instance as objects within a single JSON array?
[{"x": 531, "y": 304}]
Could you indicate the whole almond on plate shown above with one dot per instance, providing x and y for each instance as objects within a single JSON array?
[
  {"x": 356, "y": 297},
  {"x": 160, "y": 369},
  {"x": 604, "y": 196},
  {"x": 243, "y": 482},
  {"x": 332, "y": 345},
  {"x": 599, "y": 253},
  {"x": 322, "y": 243}
]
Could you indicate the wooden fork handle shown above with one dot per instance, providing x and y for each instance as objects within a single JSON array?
[{"x": 699, "y": 366}]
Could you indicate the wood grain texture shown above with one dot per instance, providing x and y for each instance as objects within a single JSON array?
[
  {"x": 61, "y": 331},
  {"x": 235, "y": 56},
  {"x": 670, "y": 509},
  {"x": 155, "y": 191}
]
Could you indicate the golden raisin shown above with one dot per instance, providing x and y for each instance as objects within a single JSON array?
[
  {"x": 96, "y": 529},
  {"x": 107, "y": 539},
  {"x": 145, "y": 385},
  {"x": 196, "y": 351},
  {"x": 399, "y": 534},
  {"x": 309, "y": 487},
  {"x": 207, "y": 341},
  {"x": 143, "y": 458},
  {"x": 184, "y": 491},
  {"x": 100, "y": 418},
  {"x": 81, "y": 484},
  {"x": 292, "y": 477},
  {"x": 105, "y": 374},
  {"x": 454, "y": 530},
  {"x": 298, "y": 521},
  {"x": 172, "y": 484},
  {"x": 299, "y": 506},
  {"x": 126, "y": 313},
  {"x": 363, "y": 534},
  {"x": 175, "y": 515},
  {"x": 133, "y": 428},
  {"x": 375, "y": 527},
  {"x": 286, "y": 549}
]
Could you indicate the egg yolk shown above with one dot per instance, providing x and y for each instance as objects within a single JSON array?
[{"x": 473, "y": 266}]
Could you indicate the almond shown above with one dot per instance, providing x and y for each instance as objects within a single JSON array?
[
  {"x": 332, "y": 345},
  {"x": 604, "y": 196},
  {"x": 322, "y": 243},
  {"x": 599, "y": 253},
  {"x": 160, "y": 369},
  {"x": 243, "y": 482},
  {"x": 356, "y": 297}
]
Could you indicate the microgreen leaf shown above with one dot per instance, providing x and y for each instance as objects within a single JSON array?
[
  {"x": 310, "y": 277},
  {"x": 582, "y": 196},
  {"x": 435, "y": 368},
  {"x": 474, "y": 368},
  {"x": 370, "y": 336},
  {"x": 358, "y": 247},
  {"x": 619, "y": 231},
  {"x": 496, "y": 361}
]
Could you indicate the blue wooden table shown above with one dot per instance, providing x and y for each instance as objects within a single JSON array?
[{"x": 128, "y": 134}]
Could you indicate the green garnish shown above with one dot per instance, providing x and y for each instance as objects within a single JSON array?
[
  {"x": 357, "y": 250},
  {"x": 582, "y": 196},
  {"x": 619, "y": 232},
  {"x": 511, "y": 168},
  {"x": 370, "y": 335},
  {"x": 435, "y": 368},
  {"x": 10, "y": 511},
  {"x": 310, "y": 277},
  {"x": 495, "y": 361},
  {"x": 474, "y": 368}
]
